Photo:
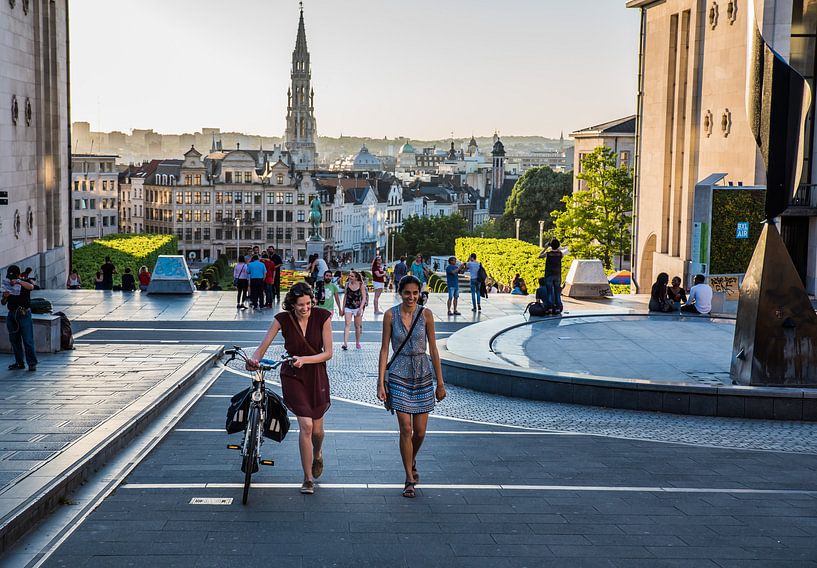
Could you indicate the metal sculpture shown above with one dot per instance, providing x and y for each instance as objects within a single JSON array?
[{"x": 776, "y": 330}]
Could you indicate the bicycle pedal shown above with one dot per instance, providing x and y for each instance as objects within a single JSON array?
[
  {"x": 267, "y": 462},
  {"x": 233, "y": 447}
]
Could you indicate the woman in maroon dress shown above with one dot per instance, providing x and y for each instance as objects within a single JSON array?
[{"x": 307, "y": 332}]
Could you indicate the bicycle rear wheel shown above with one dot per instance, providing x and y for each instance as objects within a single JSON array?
[{"x": 250, "y": 451}]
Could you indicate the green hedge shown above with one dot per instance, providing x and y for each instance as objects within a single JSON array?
[
  {"x": 503, "y": 258},
  {"x": 728, "y": 254},
  {"x": 218, "y": 272},
  {"x": 126, "y": 251}
]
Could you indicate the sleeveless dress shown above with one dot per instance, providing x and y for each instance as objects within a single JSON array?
[
  {"x": 306, "y": 390},
  {"x": 410, "y": 375}
]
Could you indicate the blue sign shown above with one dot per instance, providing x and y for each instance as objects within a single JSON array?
[{"x": 742, "y": 231}]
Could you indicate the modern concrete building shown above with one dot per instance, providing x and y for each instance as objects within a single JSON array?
[
  {"x": 618, "y": 135},
  {"x": 693, "y": 125},
  {"x": 94, "y": 196},
  {"x": 34, "y": 150}
]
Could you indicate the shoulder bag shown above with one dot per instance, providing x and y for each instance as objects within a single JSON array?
[{"x": 387, "y": 402}]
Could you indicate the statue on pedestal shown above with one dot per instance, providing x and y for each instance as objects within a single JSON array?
[{"x": 315, "y": 218}]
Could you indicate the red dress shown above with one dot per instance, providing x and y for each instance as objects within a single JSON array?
[{"x": 306, "y": 390}]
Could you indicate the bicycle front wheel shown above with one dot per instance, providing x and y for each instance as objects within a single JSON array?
[{"x": 250, "y": 464}]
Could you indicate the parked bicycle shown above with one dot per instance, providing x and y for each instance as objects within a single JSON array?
[{"x": 257, "y": 411}]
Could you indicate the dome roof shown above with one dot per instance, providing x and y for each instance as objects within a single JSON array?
[
  {"x": 407, "y": 149},
  {"x": 366, "y": 161},
  {"x": 499, "y": 148}
]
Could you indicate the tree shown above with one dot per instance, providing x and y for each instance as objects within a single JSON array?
[
  {"x": 429, "y": 235},
  {"x": 492, "y": 229},
  {"x": 595, "y": 221},
  {"x": 534, "y": 196}
]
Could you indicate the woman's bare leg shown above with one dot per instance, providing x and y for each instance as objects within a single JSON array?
[{"x": 306, "y": 426}]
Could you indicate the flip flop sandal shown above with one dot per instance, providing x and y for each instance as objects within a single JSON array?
[
  {"x": 408, "y": 490},
  {"x": 415, "y": 473}
]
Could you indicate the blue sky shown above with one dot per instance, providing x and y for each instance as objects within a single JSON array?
[{"x": 415, "y": 68}]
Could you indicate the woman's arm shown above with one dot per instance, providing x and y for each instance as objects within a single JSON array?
[
  {"x": 265, "y": 343},
  {"x": 323, "y": 356},
  {"x": 384, "y": 356},
  {"x": 435, "y": 355},
  {"x": 26, "y": 285}
]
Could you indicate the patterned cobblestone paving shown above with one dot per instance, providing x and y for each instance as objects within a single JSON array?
[{"x": 353, "y": 376}]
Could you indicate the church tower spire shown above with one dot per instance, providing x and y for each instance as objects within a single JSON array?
[{"x": 301, "y": 127}]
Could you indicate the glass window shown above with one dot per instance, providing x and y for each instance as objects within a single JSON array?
[
  {"x": 219, "y": 215},
  {"x": 76, "y": 185},
  {"x": 279, "y": 233},
  {"x": 207, "y": 233},
  {"x": 257, "y": 215},
  {"x": 219, "y": 198},
  {"x": 238, "y": 197},
  {"x": 228, "y": 234},
  {"x": 104, "y": 185},
  {"x": 301, "y": 216},
  {"x": 270, "y": 198},
  {"x": 179, "y": 232},
  {"x": 270, "y": 233},
  {"x": 247, "y": 197},
  {"x": 289, "y": 199},
  {"x": 207, "y": 198},
  {"x": 257, "y": 234},
  {"x": 93, "y": 204},
  {"x": 92, "y": 221},
  {"x": 197, "y": 215},
  {"x": 179, "y": 215},
  {"x": 188, "y": 197},
  {"x": 279, "y": 198},
  {"x": 188, "y": 234},
  {"x": 228, "y": 177},
  {"x": 91, "y": 184},
  {"x": 247, "y": 177},
  {"x": 288, "y": 233},
  {"x": 257, "y": 198},
  {"x": 197, "y": 198},
  {"x": 77, "y": 204},
  {"x": 219, "y": 234},
  {"x": 300, "y": 234},
  {"x": 197, "y": 234},
  {"x": 197, "y": 179},
  {"x": 289, "y": 216},
  {"x": 188, "y": 179},
  {"x": 270, "y": 215},
  {"x": 206, "y": 215},
  {"x": 228, "y": 197},
  {"x": 279, "y": 179},
  {"x": 279, "y": 216},
  {"x": 301, "y": 199},
  {"x": 105, "y": 221},
  {"x": 188, "y": 215}
]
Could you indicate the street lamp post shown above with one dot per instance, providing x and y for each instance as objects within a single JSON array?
[
  {"x": 620, "y": 243},
  {"x": 518, "y": 221},
  {"x": 238, "y": 238},
  {"x": 541, "y": 233}
]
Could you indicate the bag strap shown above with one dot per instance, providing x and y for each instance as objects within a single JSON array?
[
  {"x": 408, "y": 336},
  {"x": 303, "y": 335}
]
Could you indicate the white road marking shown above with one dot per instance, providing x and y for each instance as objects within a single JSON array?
[{"x": 480, "y": 487}]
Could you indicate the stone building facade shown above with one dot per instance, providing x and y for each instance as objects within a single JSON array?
[
  {"x": 34, "y": 140},
  {"x": 94, "y": 196},
  {"x": 693, "y": 124},
  {"x": 618, "y": 135}
]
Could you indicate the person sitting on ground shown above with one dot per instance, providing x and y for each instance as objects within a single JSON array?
[
  {"x": 542, "y": 292},
  {"x": 144, "y": 278},
  {"x": 520, "y": 289},
  {"x": 676, "y": 293},
  {"x": 659, "y": 301},
  {"x": 515, "y": 281},
  {"x": 74, "y": 282},
  {"x": 700, "y": 297},
  {"x": 98, "y": 281},
  {"x": 128, "y": 281}
]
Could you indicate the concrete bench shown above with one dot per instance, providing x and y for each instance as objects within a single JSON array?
[{"x": 46, "y": 333}]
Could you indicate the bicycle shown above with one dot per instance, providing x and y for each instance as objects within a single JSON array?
[{"x": 256, "y": 417}]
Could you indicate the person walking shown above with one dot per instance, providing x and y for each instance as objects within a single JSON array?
[
  {"x": 355, "y": 298},
  {"x": 419, "y": 270},
  {"x": 144, "y": 278},
  {"x": 276, "y": 284},
  {"x": 331, "y": 294},
  {"x": 307, "y": 332},
  {"x": 405, "y": 383},
  {"x": 108, "y": 269},
  {"x": 452, "y": 279},
  {"x": 257, "y": 272},
  {"x": 17, "y": 297},
  {"x": 241, "y": 279},
  {"x": 400, "y": 270},
  {"x": 73, "y": 282},
  {"x": 473, "y": 273},
  {"x": 269, "y": 278},
  {"x": 378, "y": 282},
  {"x": 553, "y": 277}
]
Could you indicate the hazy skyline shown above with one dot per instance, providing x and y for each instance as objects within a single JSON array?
[{"x": 418, "y": 68}]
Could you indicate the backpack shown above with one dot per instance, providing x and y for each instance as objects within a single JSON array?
[
  {"x": 536, "y": 309},
  {"x": 40, "y": 306},
  {"x": 66, "y": 334},
  {"x": 482, "y": 276}
]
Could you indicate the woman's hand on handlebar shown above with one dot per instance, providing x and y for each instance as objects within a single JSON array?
[
  {"x": 297, "y": 362},
  {"x": 252, "y": 365}
]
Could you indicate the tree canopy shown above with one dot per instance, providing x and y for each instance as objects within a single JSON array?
[
  {"x": 595, "y": 222},
  {"x": 534, "y": 196},
  {"x": 429, "y": 235}
]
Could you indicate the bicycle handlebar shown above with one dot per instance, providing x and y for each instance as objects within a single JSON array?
[{"x": 265, "y": 364}]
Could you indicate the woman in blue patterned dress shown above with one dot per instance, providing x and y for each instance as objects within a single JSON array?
[{"x": 410, "y": 377}]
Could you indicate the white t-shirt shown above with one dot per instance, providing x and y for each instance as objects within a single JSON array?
[
  {"x": 701, "y": 294},
  {"x": 323, "y": 268}
]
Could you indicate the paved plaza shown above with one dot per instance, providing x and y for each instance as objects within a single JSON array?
[{"x": 504, "y": 482}]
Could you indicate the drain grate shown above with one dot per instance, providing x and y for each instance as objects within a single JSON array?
[{"x": 211, "y": 501}]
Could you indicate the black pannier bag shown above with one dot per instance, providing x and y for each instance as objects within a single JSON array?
[
  {"x": 40, "y": 306},
  {"x": 276, "y": 421},
  {"x": 536, "y": 309},
  {"x": 66, "y": 334}
]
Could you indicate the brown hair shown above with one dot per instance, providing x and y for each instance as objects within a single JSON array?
[{"x": 298, "y": 290}]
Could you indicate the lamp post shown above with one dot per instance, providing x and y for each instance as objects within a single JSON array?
[
  {"x": 620, "y": 243},
  {"x": 237, "y": 239},
  {"x": 541, "y": 233},
  {"x": 518, "y": 221}
]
